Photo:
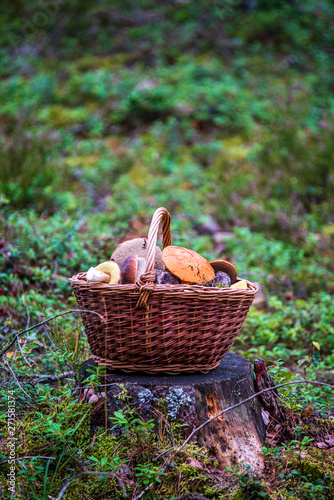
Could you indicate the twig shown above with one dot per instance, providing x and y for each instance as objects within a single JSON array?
[
  {"x": 69, "y": 481},
  {"x": 27, "y": 326},
  {"x": 20, "y": 349},
  {"x": 26, "y": 305},
  {"x": 53, "y": 378},
  {"x": 18, "y": 383},
  {"x": 90, "y": 446},
  {"x": 45, "y": 328},
  {"x": 163, "y": 453},
  {"x": 150, "y": 485},
  {"x": 203, "y": 456},
  {"x": 115, "y": 449},
  {"x": 25, "y": 458},
  {"x": 191, "y": 496},
  {"x": 47, "y": 321},
  {"x": 4, "y": 368},
  {"x": 143, "y": 492}
]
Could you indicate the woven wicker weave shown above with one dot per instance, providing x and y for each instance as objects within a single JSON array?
[{"x": 161, "y": 328}]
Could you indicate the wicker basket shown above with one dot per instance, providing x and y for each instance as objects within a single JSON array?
[{"x": 160, "y": 328}]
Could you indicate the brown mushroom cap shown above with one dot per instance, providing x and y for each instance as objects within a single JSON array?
[
  {"x": 129, "y": 270},
  {"x": 133, "y": 267},
  {"x": 136, "y": 246},
  {"x": 187, "y": 265},
  {"x": 226, "y": 267}
]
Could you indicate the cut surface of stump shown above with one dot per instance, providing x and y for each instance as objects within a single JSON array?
[{"x": 191, "y": 399}]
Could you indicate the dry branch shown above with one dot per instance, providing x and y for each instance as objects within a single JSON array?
[
  {"x": 19, "y": 385},
  {"x": 69, "y": 481},
  {"x": 54, "y": 378}
]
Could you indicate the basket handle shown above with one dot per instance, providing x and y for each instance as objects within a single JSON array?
[{"x": 146, "y": 280}]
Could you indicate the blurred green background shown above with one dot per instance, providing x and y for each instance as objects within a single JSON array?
[{"x": 221, "y": 111}]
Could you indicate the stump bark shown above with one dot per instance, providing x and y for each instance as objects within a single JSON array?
[
  {"x": 191, "y": 399},
  {"x": 268, "y": 400}
]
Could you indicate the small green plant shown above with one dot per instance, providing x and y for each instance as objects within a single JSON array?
[
  {"x": 250, "y": 483},
  {"x": 304, "y": 486},
  {"x": 148, "y": 474},
  {"x": 129, "y": 421},
  {"x": 95, "y": 379}
]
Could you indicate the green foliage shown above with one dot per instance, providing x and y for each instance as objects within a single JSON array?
[
  {"x": 250, "y": 484},
  {"x": 298, "y": 145},
  {"x": 293, "y": 326},
  {"x": 303, "y": 471},
  {"x": 27, "y": 178}
]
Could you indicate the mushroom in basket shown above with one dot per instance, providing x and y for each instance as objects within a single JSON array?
[
  {"x": 133, "y": 267},
  {"x": 240, "y": 285},
  {"x": 226, "y": 275},
  {"x": 190, "y": 267},
  {"x": 187, "y": 265},
  {"x": 107, "y": 272},
  {"x": 136, "y": 246},
  {"x": 225, "y": 271}
]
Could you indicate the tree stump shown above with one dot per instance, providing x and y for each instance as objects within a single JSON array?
[{"x": 191, "y": 399}]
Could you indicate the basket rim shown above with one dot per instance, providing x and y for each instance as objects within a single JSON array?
[{"x": 79, "y": 280}]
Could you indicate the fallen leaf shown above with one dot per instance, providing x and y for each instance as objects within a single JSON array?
[
  {"x": 330, "y": 441},
  {"x": 322, "y": 445},
  {"x": 195, "y": 463},
  {"x": 316, "y": 345},
  {"x": 308, "y": 412}
]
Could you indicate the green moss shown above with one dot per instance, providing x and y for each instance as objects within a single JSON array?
[
  {"x": 162, "y": 406},
  {"x": 104, "y": 447},
  {"x": 237, "y": 494},
  {"x": 32, "y": 434},
  {"x": 189, "y": 471},
  {"x": 123, "y": 395},
  {"x": 318, "y": 463},
  {"x": 91, "y": 485},
  {"x": 90, "y": 62}
]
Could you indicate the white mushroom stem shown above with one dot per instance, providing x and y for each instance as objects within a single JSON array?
[
  {"x": 141, "y": 267},
  {"x": 97, "y": 276}
]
